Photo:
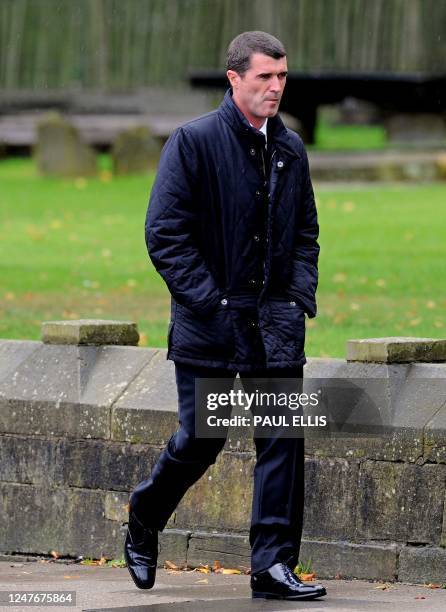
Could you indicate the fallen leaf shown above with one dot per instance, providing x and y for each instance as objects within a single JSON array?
[
  {"x": 338, "y": 576},
  {"x": 68, "y": 577},
  {"x": 433, "y": 586},
  {"x": 348, "y": 206},
  {"x": 171, "y": 565},
  {"x": 102, "y": 561},
  {"x": 420, "y": 597},
  {"x": 216, "y": 566},
  {"x": 339, "y": 277},
  {"x": 230, "y": 571},
  {"x": 307, "y": 577},
  {"x": 105, "y": 176},
  {"x": 54, "y": 554},
  {"x": 204, "y": 569},
  {"x": 80, "y": 183},
  {"x": 202, "y": 581},
  {"x": 415, "y": 322}
]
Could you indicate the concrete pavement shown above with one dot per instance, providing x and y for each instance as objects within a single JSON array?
[{"x": 104, "y": 588}]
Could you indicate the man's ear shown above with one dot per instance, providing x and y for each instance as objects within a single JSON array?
[{"x": 233, "y": 78}]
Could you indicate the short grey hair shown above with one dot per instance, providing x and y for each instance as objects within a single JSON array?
[{"x": 239, "y": 53}]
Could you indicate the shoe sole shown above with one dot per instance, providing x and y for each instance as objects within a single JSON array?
[{"x": 265, "y": 595}]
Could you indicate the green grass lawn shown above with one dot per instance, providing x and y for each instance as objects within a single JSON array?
[
  {"x": 348, "y": 137},
  {"x": 75, "y": 249}
]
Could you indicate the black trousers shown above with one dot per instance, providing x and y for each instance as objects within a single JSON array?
[{"x": 277, "y": 507}]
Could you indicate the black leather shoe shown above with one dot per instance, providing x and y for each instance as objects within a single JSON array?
[
  {"x": 141, "y": 552},
  {"x": 279, "y": 582}
]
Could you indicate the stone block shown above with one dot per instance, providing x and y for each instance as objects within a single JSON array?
[
  {"x": 400, "y": 502},
  {"x": 331, "y": 489},
  {"x": 60, "y": 151},
  {"x": 396, "y": 349},
  {"x": 404, "y": 396},
  {"x": 97, "y": 332},
  {"x": 396, "y": 445},
  {"x": 365, "y": 417},
  {"x": 350, "y": 560},
  {"x": 53, "y": 419},
  {"x": 13, "y": 353},
  {"x": 68, "y": 390},
  {"x": 173, "y": 547},
  {"x": 71, "y": 522},
  {"x": 231, "y": 551},
  {"x": 30, "y": 460},
  {"x": 135, "y": 151},
  {"x": 404, "y": 400},
  {"x": 95, "y": 464},
  {"x": 116, "y": 506},
  {"x": 422, "y": 564},
  {"x": 416, "y": 128},
  {"x": 221, "y": 500},
  {"x": 146, "y": 412},
  {"x": 435, "y": 436}
]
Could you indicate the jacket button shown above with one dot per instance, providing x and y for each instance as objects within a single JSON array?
[
  {"x": 224, "y": 301},
  {"x": 252, "y": 151},
  {"x": 258, "y": 194},
  {"x": 252, "y": 282},
  {"x": 253, "y": 324},
  {"x": 256, "y": 237},
  {"x": 280, "y": 164},
  {"x": 292, "y": 303}
]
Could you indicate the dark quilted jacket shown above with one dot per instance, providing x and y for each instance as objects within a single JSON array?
[{"x": 232, "y": 229}]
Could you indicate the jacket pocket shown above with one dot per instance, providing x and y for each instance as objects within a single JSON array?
[
  {"x": 288, "y": 320},
  {"x": 209, "y": 336}
]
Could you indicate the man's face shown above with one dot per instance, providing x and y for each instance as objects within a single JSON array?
[{"x": 258, "y": 92}]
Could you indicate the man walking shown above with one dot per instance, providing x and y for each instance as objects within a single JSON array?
[{"x": 232, "y": 229}]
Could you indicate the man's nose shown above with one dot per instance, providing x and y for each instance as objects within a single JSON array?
[{"x": 275, "y": 85}]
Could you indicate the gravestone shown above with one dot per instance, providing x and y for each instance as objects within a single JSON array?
[
  {"x": 416, "y": 129},
  {"x": 60, "y": 151},
  {"x": 135, "y": 151}
]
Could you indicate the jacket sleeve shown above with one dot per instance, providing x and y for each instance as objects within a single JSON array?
[
  {"x": 304, "y": 278},
  {"x": 170, "y": 224}
]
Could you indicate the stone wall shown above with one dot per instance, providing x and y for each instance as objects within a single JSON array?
[{"x": 82, "y": 422}]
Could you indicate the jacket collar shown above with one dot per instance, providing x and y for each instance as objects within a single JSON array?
[{"x": 277, "y": 132}]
